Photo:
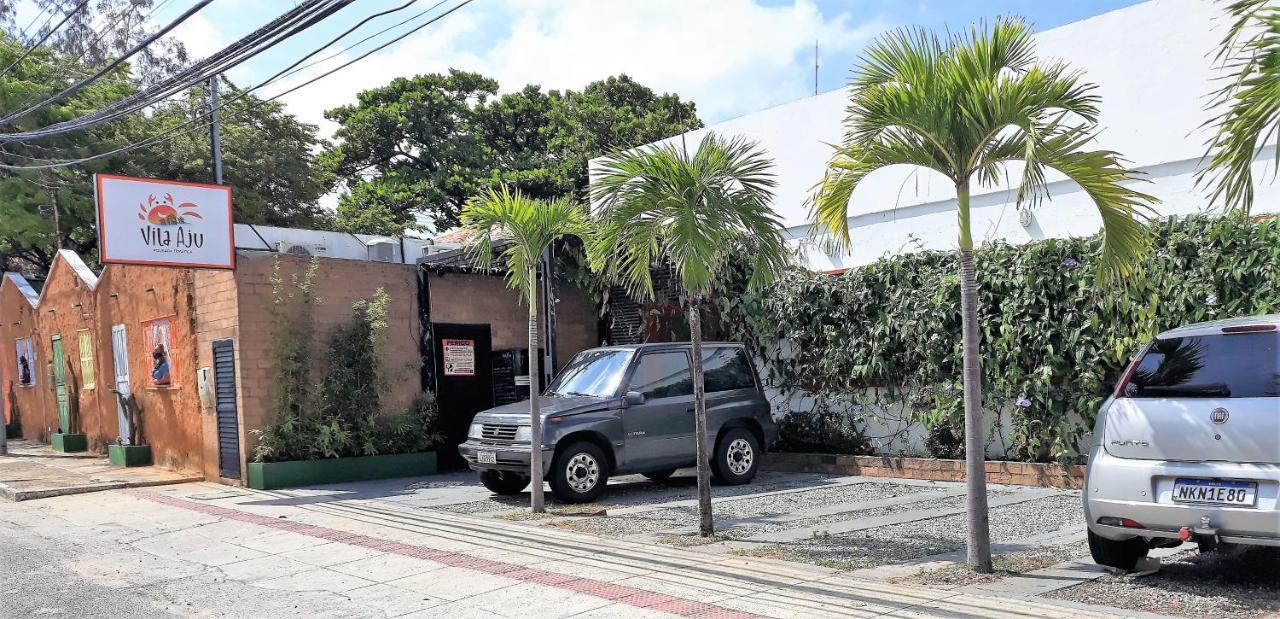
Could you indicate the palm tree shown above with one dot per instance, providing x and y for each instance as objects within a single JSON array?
[
  {"x": 1247, "y": 105},
  {"x": 527, "y": 227},
  {"x": 664, "y": 206},
  {"x": 964, "y": 106}
]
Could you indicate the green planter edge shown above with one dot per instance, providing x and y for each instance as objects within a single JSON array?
[
  {"x": 68, "y": 443},
  {"x": 129, "y": 455},
  {"x": 295, "y": 473}
]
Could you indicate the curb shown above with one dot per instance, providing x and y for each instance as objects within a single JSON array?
[
  {"x": 1067, "y": 476},
  {"x": 15, "y": 495}
]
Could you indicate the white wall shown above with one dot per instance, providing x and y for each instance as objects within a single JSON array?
[{"x": 1153, "y": 66}]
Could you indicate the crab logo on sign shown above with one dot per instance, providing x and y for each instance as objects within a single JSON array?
[{"x": 173, "y": 223}]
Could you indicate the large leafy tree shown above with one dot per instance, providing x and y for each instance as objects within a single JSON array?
[
  {"x": 964, "y": 106},
  {"x": 421, "y": 147},
  {"x": 521, "y": 229},
  {"x": 1247, "y": 106},
  {"x": 695, "y": 212}
]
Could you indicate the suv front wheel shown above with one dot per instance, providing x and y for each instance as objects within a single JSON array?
[
  {"x": 737, "y": 456},
  {"x": 1122, "y": 555},
  {"x": 580, "y": 473}
]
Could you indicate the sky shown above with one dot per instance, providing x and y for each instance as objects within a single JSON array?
[{"x": 731, "y": 57}]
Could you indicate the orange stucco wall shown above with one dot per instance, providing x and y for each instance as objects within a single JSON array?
[{"x": 18, "y": 320}]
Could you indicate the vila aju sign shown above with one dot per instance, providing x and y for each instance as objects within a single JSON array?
[{"x": 165, "y": 223}]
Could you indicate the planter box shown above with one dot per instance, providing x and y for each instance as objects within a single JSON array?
[
  {"x": 129, "y": 455},
  {"x": 13, "y": 430},
  {"x": 271, "y": 475},
  {"x": 68, "y": 443}
]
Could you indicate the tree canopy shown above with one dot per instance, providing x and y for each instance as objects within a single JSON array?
[{"x": 424, "y": 145}]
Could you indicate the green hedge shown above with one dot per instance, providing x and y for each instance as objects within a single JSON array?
[{"x": 1052, "y": 339}]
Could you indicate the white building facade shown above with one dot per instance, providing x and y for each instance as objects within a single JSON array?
[{"x": 1154, "y": 67}]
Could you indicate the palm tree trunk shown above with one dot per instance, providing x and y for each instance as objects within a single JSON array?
[
  {"x": 979, "y": 532},
  {"x": 535, "y": 390},
  {"x": 703, "y": 449}
]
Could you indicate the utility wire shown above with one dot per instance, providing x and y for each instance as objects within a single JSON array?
[
  {"x": 173, "y": 132},
  {"x": 291, "y": 23},
  {"x": 46, "y": 36},
  {"x": 74, "y": 88}
]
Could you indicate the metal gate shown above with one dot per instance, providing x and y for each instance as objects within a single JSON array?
[{"x": 224, "y": 380}]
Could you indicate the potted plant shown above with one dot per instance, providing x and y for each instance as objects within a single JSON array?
[{"x": 136, "y": 452}]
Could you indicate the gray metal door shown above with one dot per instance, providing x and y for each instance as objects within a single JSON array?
[{"x": 224, "y": 380}]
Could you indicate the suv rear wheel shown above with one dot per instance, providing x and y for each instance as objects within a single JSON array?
[
  {"x": 504, "y": 482},
  {"x": 580, "y": 473},
  {"x": 737, "y": 456},
  {"x": 1122, "y": 555}
]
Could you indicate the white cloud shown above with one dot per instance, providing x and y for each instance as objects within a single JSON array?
[
  {"x": 199, "y": 36},
  {"x": 729, "y": 56}
]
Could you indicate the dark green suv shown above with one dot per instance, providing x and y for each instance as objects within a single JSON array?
[{"x": 627, "y": 409}]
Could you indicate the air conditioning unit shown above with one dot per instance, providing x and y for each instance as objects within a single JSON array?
[
  {"x": 382, "y": 250},
  {"x": 299, "y": 249},
  {"x": 431, "y": 250}
]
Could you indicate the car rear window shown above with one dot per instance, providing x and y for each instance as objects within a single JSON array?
[
  {"x": 663, "y": 375},
  {"x": 725, "y": 369},
  {"x": 1245, "y": 365}
]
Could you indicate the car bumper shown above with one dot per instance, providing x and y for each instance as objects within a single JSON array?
[
  {"x": 514, "y": 458},
  {"x": 1141, "y": 490}
]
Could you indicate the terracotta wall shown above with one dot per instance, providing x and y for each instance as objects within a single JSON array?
[
  {"x": 134, "y": 296},
  {"x": 67, "y": 307},
  {"x": 481, "y": 299},
  {"x": 216, "y": 318},
  {"x": 18, "y": 320},
  {"x": 339, "y": 283}
]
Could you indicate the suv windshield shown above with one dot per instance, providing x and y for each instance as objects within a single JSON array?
[
  {"x": 1245, "y": 365},
  {"x": 594, "y": 373}
]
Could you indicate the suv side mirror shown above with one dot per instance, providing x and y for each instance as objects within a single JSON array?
[{"x": 633, "y": 398}]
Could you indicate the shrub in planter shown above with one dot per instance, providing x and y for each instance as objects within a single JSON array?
[{"x": 821, "y": 432}]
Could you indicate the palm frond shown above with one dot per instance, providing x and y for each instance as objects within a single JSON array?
[{"x": 691, "y": 210}]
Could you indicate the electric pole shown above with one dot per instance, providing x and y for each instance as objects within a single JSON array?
[
  {"x": 57, "y": 226},
  {"x": 215, "y": 142}
]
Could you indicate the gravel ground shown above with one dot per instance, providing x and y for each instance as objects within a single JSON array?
[
  {"x": 759, "y": 507},
  {"x": 921, "y": 538},
  {"x": 1010, "y": 564},
  {"x": 1229, "y": 584},
  {"x": 634, "y": 490}
]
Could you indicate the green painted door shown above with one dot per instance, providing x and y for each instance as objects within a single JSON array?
[{"x": 60, "y": 385}]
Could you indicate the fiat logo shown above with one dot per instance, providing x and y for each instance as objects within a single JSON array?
[{"x": 1219, "y": 416}]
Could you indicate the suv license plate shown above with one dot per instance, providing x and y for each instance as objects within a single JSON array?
[
  {"x": 1215, "y": 492},
  {"x": 486, "y": 457}
]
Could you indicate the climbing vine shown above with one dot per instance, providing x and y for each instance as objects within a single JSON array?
[{"x": 887, "y": 335}]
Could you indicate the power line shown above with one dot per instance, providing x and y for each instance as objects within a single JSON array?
[
  {"x": 74, "y": 88},
  {"x": 173, "y": 132},
  {"x": 287, "y": 25},
  {"x": 44, "y": 38}
]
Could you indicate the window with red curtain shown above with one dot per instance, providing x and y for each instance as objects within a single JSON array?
[{"x": 159, "y": 350}]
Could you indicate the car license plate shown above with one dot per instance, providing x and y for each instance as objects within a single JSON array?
[
  {"x": 486, "y": 457},
  {"x": 1215, "y": 492}
]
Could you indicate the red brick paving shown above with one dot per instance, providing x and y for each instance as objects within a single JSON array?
[{"x": 631, "y": 596}]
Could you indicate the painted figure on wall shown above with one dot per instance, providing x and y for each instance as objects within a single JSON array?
[{"x": 160, "y": 369}]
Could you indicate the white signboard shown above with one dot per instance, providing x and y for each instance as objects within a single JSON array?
[
  {"x": 166, "y": 223},
  {"x": 459, "y": 357}
]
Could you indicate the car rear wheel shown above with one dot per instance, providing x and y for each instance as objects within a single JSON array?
[
  {"x": 1122, "y": 555},
  {"x": 504, "y": 482},
  {"x": 737, "y": 456},
  {"x": 660, "y": 475},
  {"x": 579, "y": 473}
]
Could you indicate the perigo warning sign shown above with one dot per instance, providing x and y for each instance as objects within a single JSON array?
[
  {"x": 459, "y": 357},
  {"x": 166, "y": 223}
]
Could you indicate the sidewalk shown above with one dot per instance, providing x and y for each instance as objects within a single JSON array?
[
  {"x": 403, "y": 561},
  {"x": 34, "y": 471}
]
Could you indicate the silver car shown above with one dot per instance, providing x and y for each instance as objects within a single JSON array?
[{"x": 1188, "y": 446}]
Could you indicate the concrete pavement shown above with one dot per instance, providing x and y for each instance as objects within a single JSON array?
[
  {"x": 35, "y": 471},
  {"x": 305, "y": 555}
]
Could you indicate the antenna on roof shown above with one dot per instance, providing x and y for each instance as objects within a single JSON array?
[{"x": 815, "y": 67}]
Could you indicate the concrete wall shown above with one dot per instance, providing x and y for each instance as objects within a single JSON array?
[{"x": 339, "y": 283}]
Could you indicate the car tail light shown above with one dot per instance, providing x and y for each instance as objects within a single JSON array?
[
  {"x": 1248, "y": 329},
  {"x": 1127, "y": 523},
  {"x": 1129, "y": 372}
]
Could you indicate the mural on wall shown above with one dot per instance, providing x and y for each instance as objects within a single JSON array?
[{"x": 26, "y": 362}]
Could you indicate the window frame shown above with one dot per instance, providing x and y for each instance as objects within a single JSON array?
[
  {"x": 32, "y": 362},
  {"x": 149, "y": 346}
]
